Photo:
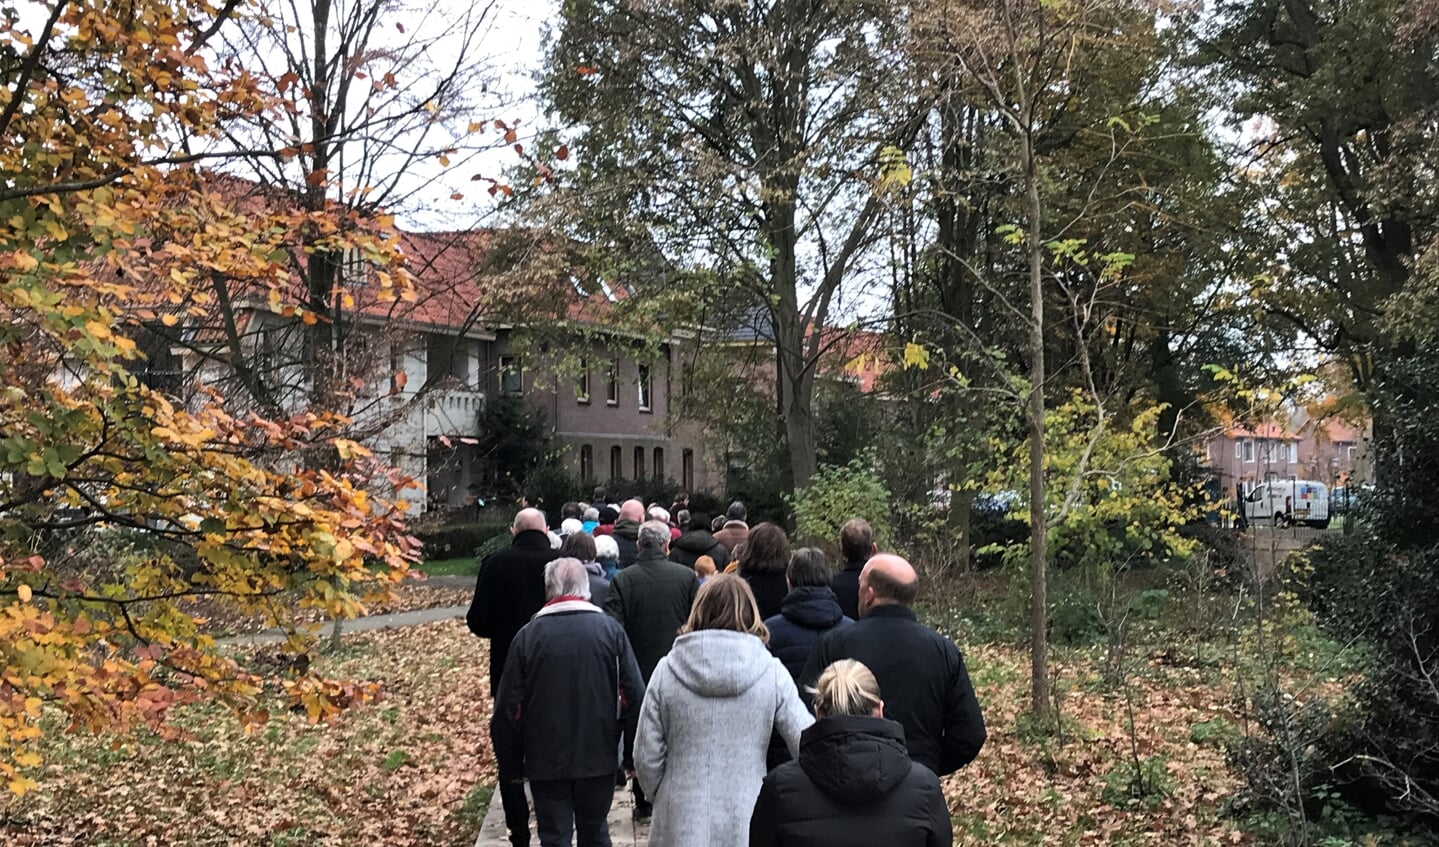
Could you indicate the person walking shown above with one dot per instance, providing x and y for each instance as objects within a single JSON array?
[
  {"x": 509, "y": 590},
  {"x": 927, "y": 689},
  {"x": 808, "y": 612},
  {"x": 706, "y": 721},
  {"x": 607, "y": 553},
  {"x": 570, "y": 683},
  {"x": 854, "y": 784},
  {"x": 580, "y": 545},
  {"x": 762, "y": 563},
  {"x": 735, "y": 529},
  {"x": 627, "y": 531},
  {"x": 651, "y": 599},
  {"x": 696, "y": 541},
  {"x": 857, "y": 545}
]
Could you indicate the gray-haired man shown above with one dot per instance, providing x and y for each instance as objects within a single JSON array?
[
  {"x": 651, "y": 599},
  {"x": 570, "y": 686}
]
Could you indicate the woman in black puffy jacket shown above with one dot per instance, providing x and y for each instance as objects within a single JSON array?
[{"x": 854, "y": 784}]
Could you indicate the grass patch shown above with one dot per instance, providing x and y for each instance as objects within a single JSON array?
[
  {"x": 465, "y": 566},
  {"x": 396, "y": 760}
]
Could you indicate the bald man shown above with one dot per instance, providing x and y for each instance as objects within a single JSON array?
[
  {"x": 508, "y": 592},
  {"x": 627, "y": 531},
  {"x": 921, "y": 673}
]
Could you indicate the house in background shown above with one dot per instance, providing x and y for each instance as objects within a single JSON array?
[
  {"x": 1324, "y": 449},
  {"x": 417, "y": 372}
]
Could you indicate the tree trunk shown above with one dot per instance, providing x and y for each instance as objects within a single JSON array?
[{"x": 1038, "y": 530}]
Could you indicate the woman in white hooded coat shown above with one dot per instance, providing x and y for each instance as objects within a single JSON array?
[{"x": 705, "y": 724}]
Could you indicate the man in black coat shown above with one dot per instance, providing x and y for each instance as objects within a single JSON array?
[
  {"x": 922, "y": 674},
  {"x": 651, "y": 599},
  {"x": 696, "y": 541},
  {"x": 856, "y": 542},
  {"x": 627, "y": 531},
  {"x": 508, "y": 592},
  {"x": 556, "y": 718}
]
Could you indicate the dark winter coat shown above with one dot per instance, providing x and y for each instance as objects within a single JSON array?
[
  {"x": 769, "y": 589},
  {"x": 922, "y": 679},
  {"x": 599, "y": 585},
  {"x": 508, "y": 592},
  {"x": 626, "y": 535},
  {"x": 556, "y": 716},
  {"x": 853, "y": 785},
  {"x": 687, "y": 549},
  {"x": 846, "y": 588},
  {"x": 651, "y": 599},
  {"x": 807, "y": 614}
]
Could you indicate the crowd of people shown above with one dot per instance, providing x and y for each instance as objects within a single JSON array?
[{"x": 746, "y": 692}]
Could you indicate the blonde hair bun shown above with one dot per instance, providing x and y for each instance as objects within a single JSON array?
[{"x": 846, "y": 687}]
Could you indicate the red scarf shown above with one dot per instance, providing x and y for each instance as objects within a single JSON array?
[{"x": 566, "y": 598}]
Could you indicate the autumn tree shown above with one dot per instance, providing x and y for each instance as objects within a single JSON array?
[
  {"x": 109, "y": 107},
  {"x": 749, "y": 140}
]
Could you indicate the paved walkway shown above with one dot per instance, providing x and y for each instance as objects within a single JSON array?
[
  {"x": 373, "y": 622},
  {"x": 624, "y": 832}
]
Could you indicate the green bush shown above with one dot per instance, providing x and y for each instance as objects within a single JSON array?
[
  {"x": 458, "y": 540},
  {"x": 493, "y": 544},
  {"x": 839, "y": 493},
  {"x": 1148, "y": 782}
]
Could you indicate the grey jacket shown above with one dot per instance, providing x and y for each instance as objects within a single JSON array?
[{"x": 704, "y": 728}]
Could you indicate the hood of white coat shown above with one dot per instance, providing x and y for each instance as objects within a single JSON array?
[{"x": 719, "y": 663}]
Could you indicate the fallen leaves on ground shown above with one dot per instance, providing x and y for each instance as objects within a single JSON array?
[{"x": 413, "y": 769}]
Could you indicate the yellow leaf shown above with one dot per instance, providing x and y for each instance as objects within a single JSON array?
[
  {"x": 915, "y": 356},
  {"x": 169, "y": 320},
  {"x": 21, "y": 784},
  {"x": 24, "y": 593}
]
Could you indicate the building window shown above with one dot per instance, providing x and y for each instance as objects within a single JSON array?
[
  {"x": 612, "y": 384},
  {"x": 1350, "y": 453},
  {"x": 1266, "y": 451},
  {"x": 1237, "y": 446},
  {"x": 617, "y": 468},
  {"x": 512, "y": 378},
  {"x": 644, "y": 388},
  {"x": 1248, "y": 450},
  {"x": 687, "y": 470},
  {"x": 639, "y": 463},
  {"x": 659, "y": 465},
  {"x": 587, "y": 463},
  {"x": 1294, "y": 452},
  {"x": 582, "y": 382}
]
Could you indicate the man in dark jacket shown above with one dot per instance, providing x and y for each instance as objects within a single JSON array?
[
  {"x": 922, "y": 674},
  {"x": 508, "y": 592},
  {"x": 809, "y": 611},
  {"x": 854, "y": 784},
  {"x": 856, "y": 542},
  {"x": 696, "y": 541},
  {"x": 627, "y": 531},
  {"x": 651, "y": 599},
  {"x": 556, "y": 716}
]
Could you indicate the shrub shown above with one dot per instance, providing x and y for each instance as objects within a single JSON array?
[
  {"x": 1146, "y": 782},
  {"x": 458, "y": 540},
  {"x": 838, "y": 493}
]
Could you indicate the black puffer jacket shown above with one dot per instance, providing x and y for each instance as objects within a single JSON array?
[
  {"x": 805, "y": 616},
  {"x": 769, "y": 589},
  {"x": 687, "y": 549},
  {"x": 854, "y": 784}
]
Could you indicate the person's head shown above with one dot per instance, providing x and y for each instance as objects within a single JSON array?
[
  {"x": 808, "y": 566},
  {"x": 580, "y": 545},
  {"x": 717, "y": 524},
  {"x": 736, "y": 512},
  {"x": 705, "y": 567},
  {"x": 528, "y": 519},
  {"x": 606, "y": 549},
  {"x": 766, "y": 550},
  {"x": 632, "y": 510},
  {"x": 658, "y": 514},
  {"x": 682, "y": 518},
  {"x": 856, "y": 540},
  {"x": 591, "y": 514},
  {"x": 600, "y": 495},
  {"x": 570, "y": 526},
  {"x": 609, "y": 514},
  {"x": 698, "y": 520},
  {"x": 654, "y": 535},
  {"x": 566, "y": 578},
  {"x": 571, "y": 510},
  {"x": 726, "y": 602},
  {"x": 887, "y": 580},
  {"x": 847, "y": 688}
]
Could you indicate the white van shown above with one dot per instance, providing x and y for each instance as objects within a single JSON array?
[{"x": 1285, "y": 502}]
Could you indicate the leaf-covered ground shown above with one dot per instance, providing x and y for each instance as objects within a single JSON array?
[{"x": 414, "y": 769}]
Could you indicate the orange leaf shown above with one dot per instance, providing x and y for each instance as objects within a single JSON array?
[
  {"x": 563, "y": 153},
  {"x": 24, "y": 593}
]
